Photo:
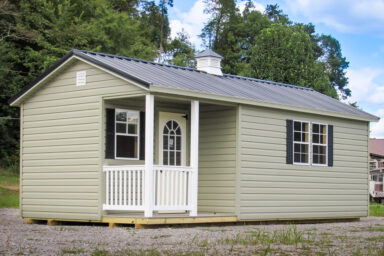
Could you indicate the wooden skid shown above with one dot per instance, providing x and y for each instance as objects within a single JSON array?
[{"x": 142, "y": 222}]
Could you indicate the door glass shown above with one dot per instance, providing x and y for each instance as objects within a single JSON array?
[{"x": 172, "y": 143}]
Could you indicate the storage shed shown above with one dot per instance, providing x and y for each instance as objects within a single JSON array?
[{"x": 113, "y": 139}]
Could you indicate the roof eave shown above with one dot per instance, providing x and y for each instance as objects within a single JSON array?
[
  {"x": 238, "y": 100},
  {"x": 17, "y": 99}
]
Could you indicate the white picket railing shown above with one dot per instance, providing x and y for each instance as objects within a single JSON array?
[
  {"x": 125, "y": 189},
  {"x": 124, "y": 186},
  {"x": 172, "y": 188}
]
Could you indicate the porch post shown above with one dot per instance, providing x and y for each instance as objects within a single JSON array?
[
  {"x": 194, "y": 155},
  {"x": 149, "y": 130}
]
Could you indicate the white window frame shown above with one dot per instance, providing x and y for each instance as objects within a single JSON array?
[
  {"x": 320, "y": 144},
  {"x": 299, "y": 142},
  {"x": 127, "y": 134}
]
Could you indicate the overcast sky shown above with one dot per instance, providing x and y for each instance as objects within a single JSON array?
[{"x": 357, "y": 24}]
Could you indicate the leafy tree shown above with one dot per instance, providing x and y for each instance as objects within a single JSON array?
[
  {"x": 35, "y": 34},
  {"x": 179, "y": 51}
]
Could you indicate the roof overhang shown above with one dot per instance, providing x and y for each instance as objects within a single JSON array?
[
  {"x": 202, "y": 95},
  {"x": 74, "y": 54}
]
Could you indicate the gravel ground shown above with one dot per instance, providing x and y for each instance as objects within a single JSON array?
[{"x": 365, "y": 237}]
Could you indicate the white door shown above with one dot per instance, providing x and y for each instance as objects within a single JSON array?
[{"x": 172, "y": 139}]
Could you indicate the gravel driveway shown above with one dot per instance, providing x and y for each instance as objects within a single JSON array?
[{"x": 365, "y": 237}]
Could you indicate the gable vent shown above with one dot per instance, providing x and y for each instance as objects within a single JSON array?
[{"x": 81, "y": 78}]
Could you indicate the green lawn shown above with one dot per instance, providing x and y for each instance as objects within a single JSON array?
[
  {"x": 8, "y": 178},
  {"x": 376, "y": 209},
  {"x": 9, "y": 198},
  {"x": 9, "y": 193}
]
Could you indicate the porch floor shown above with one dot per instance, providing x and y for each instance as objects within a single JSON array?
[{"x": 139, "y": 220}]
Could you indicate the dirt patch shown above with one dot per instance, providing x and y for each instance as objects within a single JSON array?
[
  {"x": 365, "y": 237},
  {"x": 11, "y": 187}
]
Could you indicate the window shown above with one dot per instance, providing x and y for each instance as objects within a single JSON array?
[
  {"x": 319, "y": 144},
  {"x": 301, "y": 142},
  {"x": 172, "y": 143},
  {"x": 127, "y": 134}
]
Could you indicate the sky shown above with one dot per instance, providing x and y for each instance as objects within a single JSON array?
[{"x": 358, "y": 25}]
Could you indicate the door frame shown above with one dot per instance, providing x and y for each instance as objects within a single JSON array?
[{"x": 164, "y": 117}]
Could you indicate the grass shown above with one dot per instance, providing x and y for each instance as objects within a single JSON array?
[
  {"x": 289, "y": 236},
  {"x": 9, "y": 194},
  {"x": 8, "y": 178},
  {"x": 9, "y": 198},
  {"x": 376, "y": 209}
]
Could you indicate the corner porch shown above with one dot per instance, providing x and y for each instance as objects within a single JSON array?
[{"x": 164, "y": 185}]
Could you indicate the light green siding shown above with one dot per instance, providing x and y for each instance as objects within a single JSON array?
[
  {"x": 217, "y": 160},
  {"x": 61, "y": 144},
  {"x": 272, "y": 189}
]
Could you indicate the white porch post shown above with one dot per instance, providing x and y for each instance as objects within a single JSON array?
[
  {"x": 194, "y": 155},
  {"x": 149, "y": 130}
]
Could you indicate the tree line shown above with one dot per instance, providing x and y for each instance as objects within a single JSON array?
[{"x": 34, "y": 34}]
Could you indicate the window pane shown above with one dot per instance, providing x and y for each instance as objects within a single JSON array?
[
  {"x": 178, "y": 158},
  {"x": 178, "y": 142},
  {"x": 165, "y": 157},
  {"x": 315, "y": 149},
  {"x": 133, "y": 117},
  {"x": 305, "y": 127},
  {"x": 121, "y": 116},
  {"x": 126, "y": 146},
  {"x": 296, "y": 148},
  {"x": 132, "y": 128},
  {"x": 297, "y": 126},
  {"x": 322, "y": 159},
  {"x": 178, "y": 131},
  {"x": 297, "y": 136},
  {"x": 315, "y": 158},
  {"x": 121, "y": 128},
  {"x": 324, "y": 129},
  {"x": 322, "y": 150},
  {"x": 316, "y": 138},
  {"x": 171, "y": 142},
  {"x": 172, "y": 158},
  {"x": 315, "y": 128},
  {"x": 297, "y": 158},
  {"x": 165, "y": 142},
  {"x": 304, "y": 148},
  {"x": 165, "y": 131},
  {"x": 304, "y": 158}
]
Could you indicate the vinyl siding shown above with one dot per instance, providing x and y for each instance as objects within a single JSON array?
[
  {"x": 272, "y": 189},
  {"x": 61, "y": 144},
  {"x": 217, "y": 161}
]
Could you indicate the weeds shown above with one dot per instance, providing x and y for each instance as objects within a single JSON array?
[{"x": 290, "y": 236}]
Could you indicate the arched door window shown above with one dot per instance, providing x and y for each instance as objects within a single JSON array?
[{"x": 172, "y": 136}]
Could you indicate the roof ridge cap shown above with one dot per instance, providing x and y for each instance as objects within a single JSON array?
[{"x": 138, "y": 60}]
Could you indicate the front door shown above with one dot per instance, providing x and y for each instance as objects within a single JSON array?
[{"x": 172, "y": 139}]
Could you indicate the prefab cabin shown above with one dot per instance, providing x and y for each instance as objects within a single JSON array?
[{"x": 113, "y": 139}]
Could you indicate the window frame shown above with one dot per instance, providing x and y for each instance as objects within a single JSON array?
[
  {"x": 307, "y": 143},
  {"x": 319, "y": 144},
  {"x": 127, "y": 134}
]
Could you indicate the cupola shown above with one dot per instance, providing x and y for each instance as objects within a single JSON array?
[{"x": 209, "y": 61}]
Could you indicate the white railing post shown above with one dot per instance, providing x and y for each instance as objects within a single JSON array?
[
  {"x": 194, "y": 156},
  {"x": 149, "y": 130}
]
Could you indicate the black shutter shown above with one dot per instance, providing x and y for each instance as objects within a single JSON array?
[
  {"x": 110, "y": 134},
  {"x": 142, "y": 135},
  {"x": 330, "y": 145},
  {"x": 289, "y": 142}
]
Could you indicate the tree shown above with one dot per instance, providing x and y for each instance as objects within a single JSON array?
[
  {"x": 284, "y": 54},
  {"x": 179, "y": 51}
]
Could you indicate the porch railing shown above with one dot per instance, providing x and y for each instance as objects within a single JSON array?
[
  {"x": 125, "y": 188},
  {"x": 172, "y": 188}
]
